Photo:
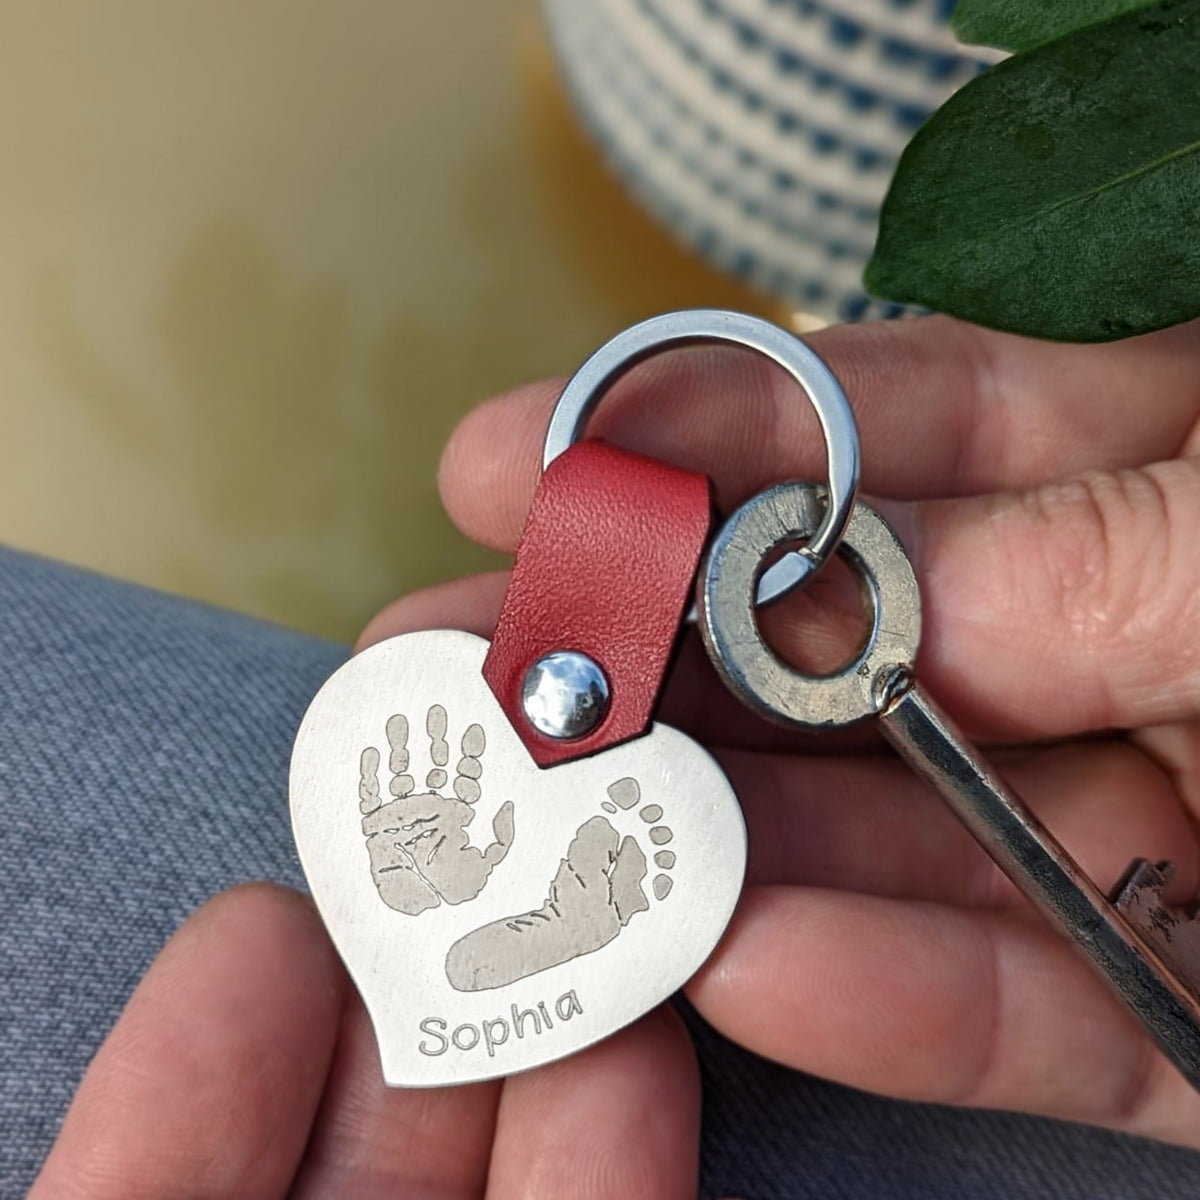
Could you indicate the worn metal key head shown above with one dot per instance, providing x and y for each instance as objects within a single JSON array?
[{"x": 781, "y": 516}]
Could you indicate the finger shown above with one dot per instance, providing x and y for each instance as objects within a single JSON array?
[
  {"x": 872, "y": 826},
  {"x": 944, "y": 409},
  {"x": 868, "y": 823},
  {"x": 620, "y": 1119},
  {"x": 932, "y": 1003},
  {"x": 470, "y": 604},
  {"x": 374, "y": 1142},
  {"x": 470, "y": 766},
  {"x": 369, "y": 798},
  {"x": 977, "y": 657},
  {"x": 1047, "y": 614},
  {"x": 396, "y": 729},
  {"x": 208, "y": 1083},
  {"x": 694, "y": 699},
  {"x": 436, "y": 724},
  {"x": 1069, "y": 608},
  {"x": 1063, "y": 610}
]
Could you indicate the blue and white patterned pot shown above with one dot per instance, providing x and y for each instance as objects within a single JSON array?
[{"x": 764, "y": 132}]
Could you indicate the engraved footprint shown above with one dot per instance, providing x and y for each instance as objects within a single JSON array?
[
  {"x": 625, "y": 793},
  {"x": 418, "y": 844},
  {"x": 594, "y": 895}
]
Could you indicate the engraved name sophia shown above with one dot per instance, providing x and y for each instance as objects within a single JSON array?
[{"x": 521, "y": 1023}]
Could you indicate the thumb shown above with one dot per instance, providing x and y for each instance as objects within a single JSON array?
[{"x": 1068, "y": 608}]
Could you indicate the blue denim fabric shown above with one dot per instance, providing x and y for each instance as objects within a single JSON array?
[{"x": 143, "y": 753}]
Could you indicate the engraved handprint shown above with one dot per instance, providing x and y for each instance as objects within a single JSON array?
[{"x": 418, "y": 844}]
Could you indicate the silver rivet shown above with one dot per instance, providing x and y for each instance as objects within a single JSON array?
[{"x": 565, "y": 695}]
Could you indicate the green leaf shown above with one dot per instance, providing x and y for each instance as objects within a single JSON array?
[
  {"x": 1058, "y": 193},
  {"x": 1023, "y": 24}
]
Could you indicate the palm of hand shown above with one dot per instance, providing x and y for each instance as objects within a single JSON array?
[
  {"x": 1052, "y": 530},
  {"x": 415, "y": 845}
]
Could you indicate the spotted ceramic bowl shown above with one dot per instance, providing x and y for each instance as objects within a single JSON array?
[{"x": 764, "y": 132}]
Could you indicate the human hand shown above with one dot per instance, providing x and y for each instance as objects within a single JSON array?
[
  {"x": 245, "y": 1068},
  {"x": 876, "y": 945},
  {"x": 1048, "y": 495}
]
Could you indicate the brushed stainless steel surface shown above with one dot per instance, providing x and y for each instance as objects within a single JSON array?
[
  {"x": 587, "y": 387},
  {"x": 461, "y": 904},
  {"x": 1148, "y": 955},
  {"x": 565, "y": 694}
]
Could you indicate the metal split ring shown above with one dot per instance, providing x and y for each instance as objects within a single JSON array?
[{"x": 588, "y": 385}]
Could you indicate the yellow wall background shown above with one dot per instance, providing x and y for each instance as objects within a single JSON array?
[{"x": 259, "y": 255}]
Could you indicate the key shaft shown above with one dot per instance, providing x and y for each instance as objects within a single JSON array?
[{"x": 1025, "y": 850}]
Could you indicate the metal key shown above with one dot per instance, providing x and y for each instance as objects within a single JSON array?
[{"x": 1148, "y": 953}]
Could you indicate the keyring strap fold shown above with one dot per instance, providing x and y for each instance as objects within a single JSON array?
[{"x": 605, "y": 568}]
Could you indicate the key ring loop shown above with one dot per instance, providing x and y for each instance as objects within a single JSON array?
[{"x": 587, "y": 387}]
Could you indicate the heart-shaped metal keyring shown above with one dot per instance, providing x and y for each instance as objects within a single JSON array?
[{"x": 494, "y": 915}]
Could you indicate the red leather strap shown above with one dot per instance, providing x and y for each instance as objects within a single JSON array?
[{"x": 604, "y": 566}]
